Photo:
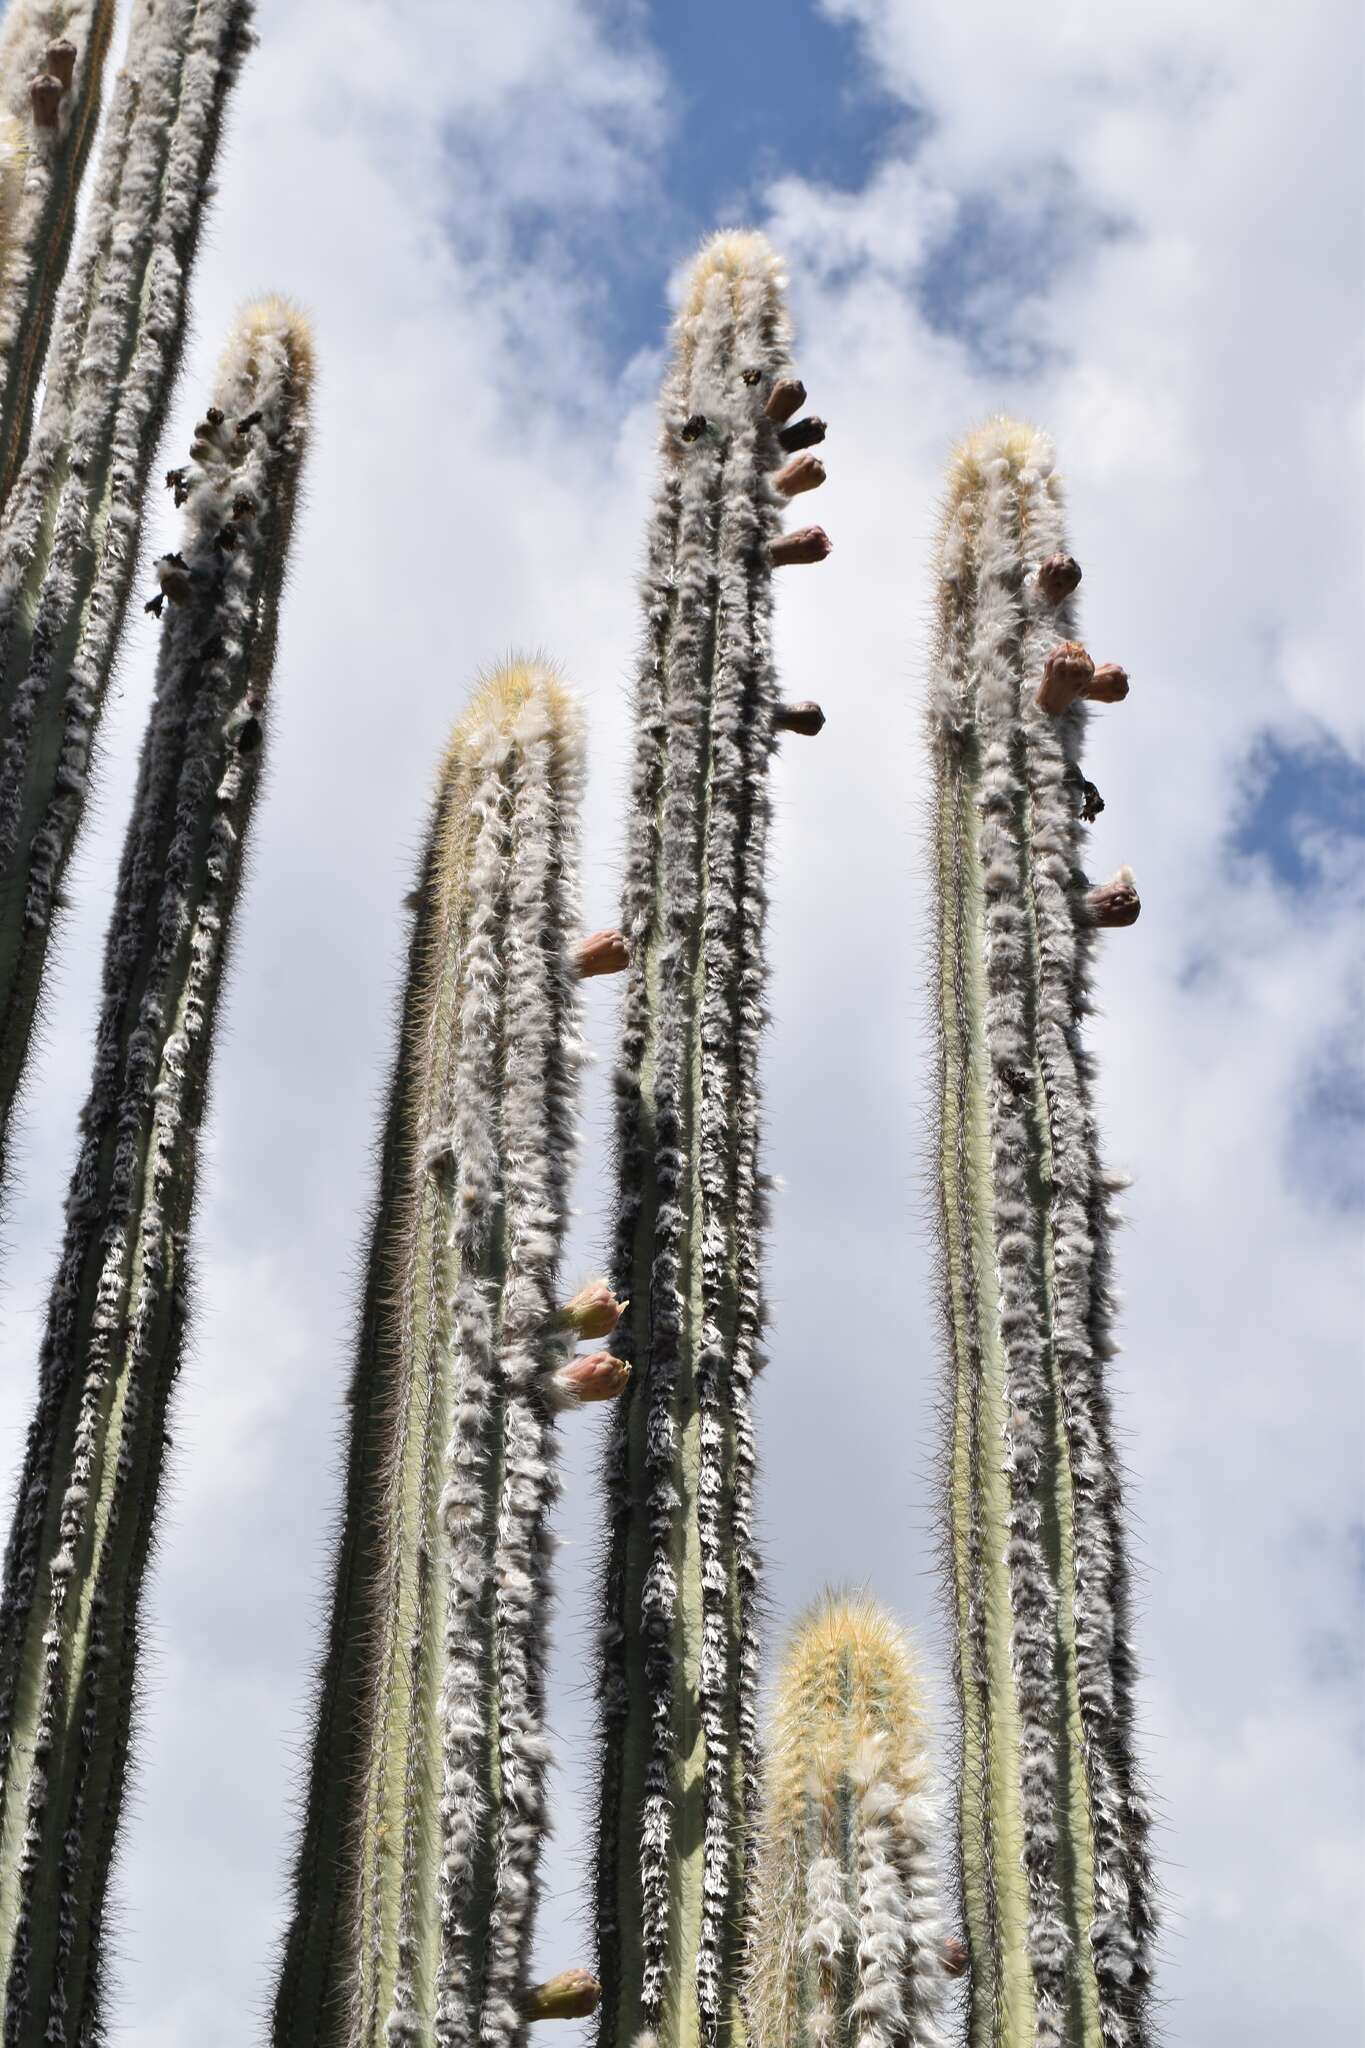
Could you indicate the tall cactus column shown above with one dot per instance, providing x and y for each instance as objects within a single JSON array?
[
  {"x": 1055, "y": 1868},
  {"x": 678, "y": 1672},
  {"x": 71, "y": 527},
  {"x": 83, "y": 1525},
  {"x": 416, "y": 1877}
]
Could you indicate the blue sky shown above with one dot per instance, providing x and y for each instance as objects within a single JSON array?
[{"x": 1136, "y": 223}]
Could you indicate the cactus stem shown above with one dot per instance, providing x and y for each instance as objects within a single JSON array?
[
  {"x": 787, "y": 397},
  {"x": 806, "y": 718},
  {"x": 804, "y": 472},
  {"x": 603, "y": 952},
  {"x": 807, "y": 544}
]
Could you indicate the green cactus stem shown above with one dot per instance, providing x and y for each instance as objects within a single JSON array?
[
  {"x": 1056, "y": 1876},
  {"x": 678, "y": 1669},
  {"x": 87, "y": 1499},
  {"x": 416, "y": 1878},
  {"x": 846, "y": 1936},
  {"x": 70, "y": 529},
  {"x": 51, "y": 63}
]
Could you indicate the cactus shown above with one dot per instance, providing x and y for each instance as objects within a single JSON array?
[
  {"x": 1055, "y": 1871},
  {"x": 415, "y": 1881},
  {"x": 846, "y": 1937},
  {"x": 111, "y": 1352},
  {"x": 51, "y": 63},
  {"x": 678, "y": 1661},
  {"x": 70, "y": 529}
]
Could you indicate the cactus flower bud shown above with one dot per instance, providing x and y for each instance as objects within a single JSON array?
[
  {"x": 803, "y": 473},
  {"x": 1058, "y": 576},
  {"x": 45, "y": 96},
  {"x": 594, "y": 1311},
  {"x": 601, "y": 953},
  {"x": 1109, "y": 685},
  {"x": 807, "y": 544},
  {"x": 1115, "y": 902},
  {"x": 1067, "y": 674},
  {"x": 572, "y": 1995},
  {"x": 954, "y": 1957},
  {"x": 787, "y": 396},
  {"x": 61, "y": 61},
  {"x": 802, "y": 434},
  {"x": 601, "y": 1376},
  {"x": 174, "y": 578},
  {"x": 693, "y": 427},
  {"x": 806, "y": 718}
]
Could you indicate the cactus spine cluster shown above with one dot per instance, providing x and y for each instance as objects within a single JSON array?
[
  {"x": 70, "y": 528},
  {"x": 846, "y": 1935},
  {"x": 1057, "y": 1886},
  {"x": 416, "y": 1878},
  {"x": 679, "y": 1665},
  {"x": 51, "y": 62},
  {"x": 116, "y": 1316}
]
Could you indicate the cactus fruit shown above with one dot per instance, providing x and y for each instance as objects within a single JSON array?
[
  {"x": 845, "y": 1946},
  {"x": 51, "y": 59},
  {"x": 678, "y": 1669},
  {"x": 111, "y": 1352},
  {"x": 70, "y": 528},
  {"x": 416, "y": 1876},
  {"x": 1055, "y": 1869}
]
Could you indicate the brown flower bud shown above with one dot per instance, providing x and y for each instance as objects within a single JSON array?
[
  {"x": 572, "y": 1995},
  {"x": 1114, "y": 902},
  {"x": 594, "y": 1311},
  {"x": 600, "y": 953},
  {"x": 1058, "y": 577},
  {"x": 174, "y": 579},
  {"x": 802, "y": 473},
  {"x": 61, "y": 61},
  {"x": 955, "y": 1957},
  {"x": 787, "y": 396},
  {"x": 802, "y": 434},
  {"x": 806, "y": 718},
  {"x": 693, "y": 428},
  {"x": 1066, "y": 676},
  {"x": 45, "y": 96},
  {"x": 1109, "y": 684},
  {"x": 600, "y": 1376},
  {"x": 807, "y": 544}
]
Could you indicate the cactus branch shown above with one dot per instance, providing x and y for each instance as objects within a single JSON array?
[{"x": 87, "y": 1498}]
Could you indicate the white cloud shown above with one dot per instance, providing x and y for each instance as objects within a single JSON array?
[{"x": 480, "y": 471}]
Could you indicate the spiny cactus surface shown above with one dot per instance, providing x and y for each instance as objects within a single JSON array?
[
  {"x": 51, "y": 62},
  {"x": 416, "y": 1879},
  {"x": 846, "y": 1933},
  {"x": 1055, "y": 1866},
  {"x": 83, "y": 1524},
  {"x": 70, "y": 529},
  {"x": 679, "y": 1652}
]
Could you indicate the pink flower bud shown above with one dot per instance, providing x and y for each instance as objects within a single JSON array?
[
  {"x": 1058, "y": 577},
  {"x": 601, "y": 1376},
  {"x": 803, "y": 473},
  {"x": 572, "y": 1995},
  {"x": 601, "y": 953},
  {"x": 61, "y": 61},
  {"x": 1067, "y": 673},
  {"x": 787, "y": 396},
  {"x": 807, "y": 544},
  {"x": 45, "y": 96},
  {"x": 1109, "y": 685},
  {"x": 1114, "y": 902},
  {"x": 594, "y": 1311}
]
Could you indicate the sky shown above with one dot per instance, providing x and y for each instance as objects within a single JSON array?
[{"x": 1139, "y": 225}]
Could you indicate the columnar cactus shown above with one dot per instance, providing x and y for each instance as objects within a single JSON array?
[
  {"x": 1055, "y": 1872},
  {"x": 678, "y": 1659},
  {"x": 71, "y": 527},
  {"x": 51, "y": 62},
  {"x": 846, "y": 1934},
  {"x": 416, "y": 1878},
  {"x": 87, "y": 1498}
]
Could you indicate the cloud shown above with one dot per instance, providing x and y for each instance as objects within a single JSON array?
[{"x": 1135, "y": 224}]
